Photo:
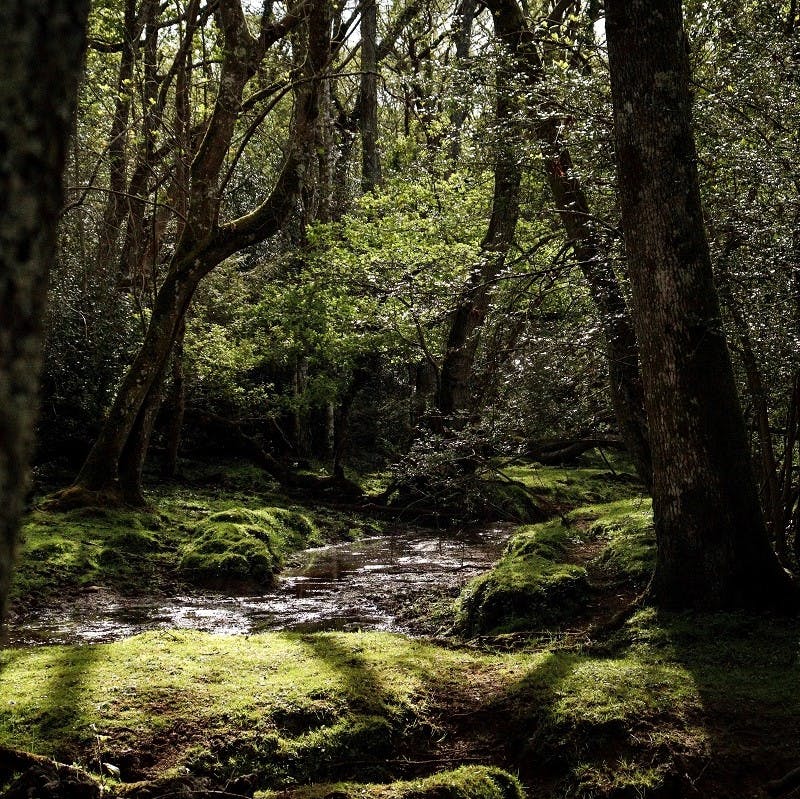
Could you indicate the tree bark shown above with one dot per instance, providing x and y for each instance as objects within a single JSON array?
[
  {"x": 368, "y": 96},
  {"x": 41, "y": 56},
  {"x": 454, "y": 391},
  {"x": 713, "y": 550}
]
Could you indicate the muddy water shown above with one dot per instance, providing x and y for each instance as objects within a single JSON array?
[{"x": 389, "y": 582}]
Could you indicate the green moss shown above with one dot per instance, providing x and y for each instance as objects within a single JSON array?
[
  {"x": 467, "y": 782},
  {"x": 244, "y": 546},
  {"x": 543, "y": 578},
  {"x": 135, "y": 550},
  {"x": 289, "y": 706},
  {"x": 571, "y": 486},
  {"x": 656, "y": 702},
  {"x": 529, "y": 588},
  {"x": 627, "y": 525}
]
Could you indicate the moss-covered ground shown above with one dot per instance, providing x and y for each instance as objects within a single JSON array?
[
  {"x": 658, "y": 706},
  {"x": 228, "y": 529}
]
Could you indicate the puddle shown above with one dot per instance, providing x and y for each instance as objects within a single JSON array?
[{"x": 381, "y": 583}]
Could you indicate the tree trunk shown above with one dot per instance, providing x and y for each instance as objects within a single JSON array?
[
  {"x": 204, "y": 243},
  {"x": 466, "y": 14},
  {"x": 41, "y": 54},
  {"x": 454, "y": 391},
  {"x": 368, "y": 121},
  {"x": 573, "y": 209},
  {"x": 713, "y": 550}
]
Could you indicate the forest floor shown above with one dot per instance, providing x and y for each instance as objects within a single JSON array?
[{"x": 535, "y": 676}]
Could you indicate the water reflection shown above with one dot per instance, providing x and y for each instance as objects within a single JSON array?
[{"x": 372, "y": 584}]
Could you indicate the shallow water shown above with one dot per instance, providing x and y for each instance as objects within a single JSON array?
[{"x": 381, "y": 583}]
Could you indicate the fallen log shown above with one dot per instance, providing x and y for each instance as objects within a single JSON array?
[{"x": 564, "y": 452}]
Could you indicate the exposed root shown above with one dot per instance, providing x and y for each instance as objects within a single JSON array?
[{"x": 24, "y": 774}]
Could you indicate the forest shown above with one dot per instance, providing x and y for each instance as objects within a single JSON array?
[{"x": 399, "y": 399}]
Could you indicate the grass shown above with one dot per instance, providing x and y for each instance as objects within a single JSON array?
[
  {"x": 668, "y": 705},
  {"x": 569, "y": 486},
  {"x": 667, "y": 696}
]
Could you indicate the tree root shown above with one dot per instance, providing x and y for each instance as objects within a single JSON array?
[{"x": 23, "y": 774}]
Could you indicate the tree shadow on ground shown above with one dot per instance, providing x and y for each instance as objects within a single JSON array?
[
  {"x": 53, "y": 706},
  {"x": 746, "y": 673}
]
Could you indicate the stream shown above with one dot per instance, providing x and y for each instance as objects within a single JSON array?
[{"x": 389, "y": 582}]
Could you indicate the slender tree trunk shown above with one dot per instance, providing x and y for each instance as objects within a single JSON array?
[
  {"x": 368, "y": 121},
  {"x": 713, "y": 550},
  {"x": 115, "y": 205},
  {"x": 466, "y": 14},
  {"x": 772, "y": 499},
  {"x": 41, "y": 55},
  {"x": 453, "y": 397},
  {"x": 573, "y": 208},
  {"x": 622, "y": 353}
]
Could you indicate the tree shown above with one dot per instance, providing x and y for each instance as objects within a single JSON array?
[
  {"x": 713, "y": 550},
  {"x": 572, "y": 206},
  {"x": 41, "y": 52},
  {"x": 114, "y": 465}
]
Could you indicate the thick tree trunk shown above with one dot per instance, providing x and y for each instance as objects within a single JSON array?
[
  {"x": 41, "y": 53},
  {"x": 713, "y": 550}
]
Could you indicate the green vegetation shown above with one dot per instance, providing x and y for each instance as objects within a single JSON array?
[
  {"x": 231, "y": 527},
  {"x": 659, "y": 700},
  {"x": 244, "y": 545},
  {"x": 549, "y": 571},
  {"x": 467, "y": 782},
  {"x": 571, "y": 486},
  {"x": 530, "y": 587}
]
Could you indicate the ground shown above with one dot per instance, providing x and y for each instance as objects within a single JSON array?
[{"x": 545, "y": 681}]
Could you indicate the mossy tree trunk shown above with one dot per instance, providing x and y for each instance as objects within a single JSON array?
[
  {"x": 713, "y": 550},
  {"x": 41, "y": 55}
]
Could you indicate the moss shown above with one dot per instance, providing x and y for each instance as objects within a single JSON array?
[
  {"x": 467, "y": 782},
  {"x": 627, "y": 528},
  {"x": 141, "y": 550},
  {"x": 244, "y": 546},
  {"x": 571, "y": 486},
  {"x": 529, "y": 588},
  {"x": 289, "y": 706},
  {"x": 660, "y": 700},
  {"x": 543, "y": 578}
]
